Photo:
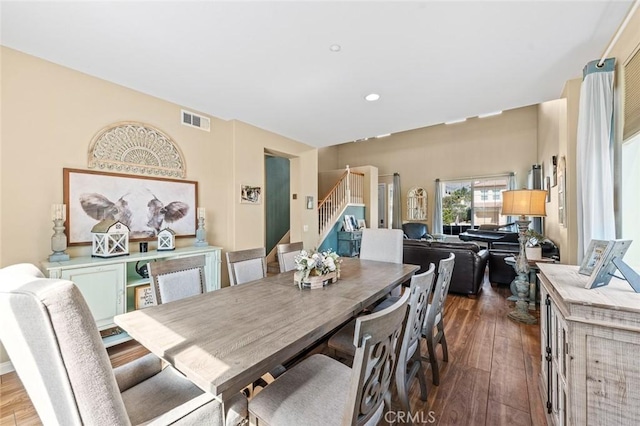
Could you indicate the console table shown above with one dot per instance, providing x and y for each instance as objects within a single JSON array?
[
  {"x": 349, "y": 243},
  {"x": 590, "y": 341},
  {"x": 109, "y": 285}
]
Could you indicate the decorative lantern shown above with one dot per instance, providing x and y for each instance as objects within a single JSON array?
[
  {"x": 166, "y": 239},
  {"x": 110, "y": 239}
]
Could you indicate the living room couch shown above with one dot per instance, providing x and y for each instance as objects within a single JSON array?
[
  {"x": 500, "y": 272},
  {"x": 470, "y": 262}
]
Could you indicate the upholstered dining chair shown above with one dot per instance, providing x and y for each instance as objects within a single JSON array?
[
  {"x": 176, "y": 279},
  {"x": 287, "y": 254},
  {"x": 322, "y": 391},
  {"x": 56, "y": 349},
  {"x": 410, "y": 360},
  {"x": 384, "y": 245},
  {"x": 246, "y": 265},
  {"x": 435, "y": 317}
]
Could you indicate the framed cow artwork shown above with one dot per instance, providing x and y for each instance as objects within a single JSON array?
[{"x": 144, "y": 204}]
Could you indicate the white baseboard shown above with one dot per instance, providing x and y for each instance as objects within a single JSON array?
[{"x": 6, "y": 367}]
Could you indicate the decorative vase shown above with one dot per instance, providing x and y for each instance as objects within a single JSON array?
[{"x": 315, "y": 281}]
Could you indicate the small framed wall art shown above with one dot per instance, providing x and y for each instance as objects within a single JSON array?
[{"x": 250, "y": 194}]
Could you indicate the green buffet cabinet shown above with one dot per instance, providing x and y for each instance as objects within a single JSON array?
[{"x": 111, "y": 285}]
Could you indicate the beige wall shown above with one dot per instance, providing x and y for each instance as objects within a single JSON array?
[
  {"x": 503, "y": 143},
  {"x": 248, "y": 163},
  {"x": 49, "y": 117},
  {"x": 328, "y": 159},
  {"x": 552, "y": 140}
]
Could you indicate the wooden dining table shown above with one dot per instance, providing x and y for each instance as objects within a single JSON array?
[{"x": 226, "y": 339}]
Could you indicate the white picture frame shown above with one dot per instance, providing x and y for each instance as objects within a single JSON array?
[
  {"x": 605, "y": 268},
  {"x": 591, "y": 257}
]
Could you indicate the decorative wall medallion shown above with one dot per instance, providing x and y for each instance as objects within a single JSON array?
[{"x": 136, "y": 148}]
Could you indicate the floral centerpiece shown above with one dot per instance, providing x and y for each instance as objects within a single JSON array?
[{"x": 316, "y": 269}]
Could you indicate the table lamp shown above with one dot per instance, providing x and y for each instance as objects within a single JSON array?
[{"x": 523, "y": 203}]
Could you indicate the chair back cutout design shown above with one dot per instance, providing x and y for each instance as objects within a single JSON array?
[
  {"x": 420, "y": 291},
  {"x": 445, "y": 269},
  {"x": 377, "y": 340}
]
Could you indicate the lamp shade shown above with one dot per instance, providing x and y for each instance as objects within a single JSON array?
[{"x": 524, "y": 202}]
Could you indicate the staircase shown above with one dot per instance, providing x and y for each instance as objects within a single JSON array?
[{"x": 348, "y": 190}]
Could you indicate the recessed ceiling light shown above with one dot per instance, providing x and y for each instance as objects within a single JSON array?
[
  {"x": 372, "y": 97},
  {"x": 335, "y": 48},
  {"x": 455, "y": 121},
  {"x": 383, "y": 136},
  {"x": 490, "y": 114}
]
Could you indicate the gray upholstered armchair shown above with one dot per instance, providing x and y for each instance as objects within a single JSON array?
[{"x": 55, "y": 346}]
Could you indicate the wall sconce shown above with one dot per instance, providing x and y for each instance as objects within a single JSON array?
[{"x": 310, "y": 202}]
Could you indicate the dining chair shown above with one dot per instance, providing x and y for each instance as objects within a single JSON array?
[
  {"x": 410, "y": 360},
  {"x": 383, "y": 245},
  {"x": 175, "y": 279},
  {"x": 322, "y": 391},
  {"x": 56, "y": 349},
  {"x": 287, "y": 254},
  {"x": 246, "y": 265},
  {"x": 435, "y": 317}
]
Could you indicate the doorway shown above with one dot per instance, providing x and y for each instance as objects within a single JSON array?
[
  {"x": 277, "y": 200},
  {"x": 383, "y": 221}
]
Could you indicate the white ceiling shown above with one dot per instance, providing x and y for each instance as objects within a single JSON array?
[{"x": 269, "y": 63}]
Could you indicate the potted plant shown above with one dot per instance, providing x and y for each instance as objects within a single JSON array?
[
  {"x": 532, "y": 247},
  {"x": 316, "y": 269}
]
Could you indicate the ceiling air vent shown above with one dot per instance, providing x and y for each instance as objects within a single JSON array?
[{"x": 194, "y": 120}]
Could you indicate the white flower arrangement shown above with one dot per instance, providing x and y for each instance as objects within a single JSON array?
[{"x": 314, "y": 263}]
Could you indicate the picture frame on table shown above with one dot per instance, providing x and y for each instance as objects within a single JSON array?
[
  {"x": 349, "y": 223},
  {"x": 362, "y": 223},
  {"x": 143, "y": 295},
  {"x": 591, "y": 257},
  {"x": 145, "y": 204},
  {"x": 605, "y": 268}
]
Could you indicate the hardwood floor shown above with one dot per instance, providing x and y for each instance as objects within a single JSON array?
[{"x": 491, "y": 378}]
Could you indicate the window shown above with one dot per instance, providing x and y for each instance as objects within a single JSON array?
[
  {"x": 470, "y": 203},
  {"x": 629, "y": 199}
]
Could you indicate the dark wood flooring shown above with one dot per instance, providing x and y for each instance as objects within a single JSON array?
[{"x": 491, "y": 378}]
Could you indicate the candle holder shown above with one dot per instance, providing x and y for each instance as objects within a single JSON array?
[
  {"x": 58, "y": 242},
  {"x": 201, "y": 234}
]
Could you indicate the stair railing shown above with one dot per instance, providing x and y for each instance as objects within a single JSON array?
[{"x": 348, "y": 190}]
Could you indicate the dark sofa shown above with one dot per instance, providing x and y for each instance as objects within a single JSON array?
[
  {"x": 470, "y": 262},
  {"x": 500, "y": 272}
]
